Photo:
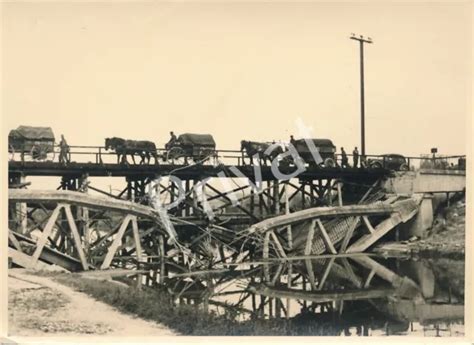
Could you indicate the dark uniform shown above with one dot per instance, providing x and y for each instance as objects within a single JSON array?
[
  {"x": 63, "y": 151},
  {"x": 355, "y": 157},
  {"x": 292, "y": 141},
  {"x": 172, "y": 141},
  {"x": 344, "y": 161}
]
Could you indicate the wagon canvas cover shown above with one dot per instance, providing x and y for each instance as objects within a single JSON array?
[
  {"x": 197, "y": 140},
  {"x": 323, "y": 145},
  {"x": 28, "y": 133}
]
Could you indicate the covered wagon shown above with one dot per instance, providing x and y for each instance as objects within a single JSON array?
[
  {"x": 198, "y": 147},
  {"x": 325, "y": 147},
  {"x": 36, "y": 142}
]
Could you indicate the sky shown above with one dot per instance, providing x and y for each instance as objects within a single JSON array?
[{"x": 240, "y": 71}]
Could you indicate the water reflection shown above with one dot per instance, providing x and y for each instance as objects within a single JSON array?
[{"x": 358, "y": 295}]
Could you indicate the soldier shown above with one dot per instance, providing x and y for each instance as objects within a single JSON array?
[
  {"x": 171, "y": 141},
  {"x": 292, "y": 140},
  {"x": 355, "y": 157},
  {"x": 63, "y": 150},
  {"x": 344, "y": 161}
]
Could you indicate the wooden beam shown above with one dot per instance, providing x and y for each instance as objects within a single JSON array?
[
  {"x": 266, "y": 267},
  {"x": 327, "y": 269},
  {"x": 14, "y": 241},
  {"x": 115, "y": 243},
  {"x": 382, "y": 228},
  {"x": 354, "y": 278},
  {"x": 161, "y": 242},
  {"x": 326, "y": 239},
  {"x": 349, "y": 233},
  {"x": 339, "y": 193},
  {"x": 46, "y": 232},
  {"x": 24, "y": 260},
  {"x": 277, "y": 274},
  {"x": 278, "y": 244},
  {"x": 367, "y": 224},
  {"x": 142, "y": 234},
  {"x": 136, "y": 237},
  {"x": 321, "y": 296},
  {"x": 309, "y": 239},
  {"x": 287, "y": 211},
  {"x": 138, "y": 246},
  {"x": 309, "y": 268},
  {"x": 317, "y": 212},
  {"x": 369, "y": 278},
  {"x": 76, "y": 237}
]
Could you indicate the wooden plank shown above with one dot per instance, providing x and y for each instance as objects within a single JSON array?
[
  {"x": 317, "y": 212},
  {"x": 368, "y": 225},
  {"x": 321, "y": 296},
  {"x": 277, "y": 274},
  {"x": 266, "y": 266},
  {"x": 369, "y": 278},
  {"x": 309, "y": 239},
  {"x": 381, "y": 229},
  {"x": 116, "y": 243},
  {"x": 76, "y": 237},
  {"x": 46, "y": 232},
  {"x": 86, "y": 200},
  {"x": 309, "y": 268},
  {"x": 339, "y": 193},
  {"x": 136, "y": 237},
  {"x": 326, "y": 239},
  {"x": 278, "y": 244},
  {"x": 327, "y": 269},
  {"x": 132, "y": 245},
  {"x": 138, "y": 246},
  {"x": 349, "y": 234},
  {"x": 24, "y": 260},
  {"x": 14, "y": 241},
  {"x": 287, "y": 211},
  {"x": 109, "y": 274},
  {"x": 161, "y": 241},
  {"x": 353, "y": 277}
]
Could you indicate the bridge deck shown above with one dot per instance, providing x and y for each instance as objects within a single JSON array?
[{"x": 75, "y": 169}]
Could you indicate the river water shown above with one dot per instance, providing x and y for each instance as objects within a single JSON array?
[{"x": 358, "y": 295}]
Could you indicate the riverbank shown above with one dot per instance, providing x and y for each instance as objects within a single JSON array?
[
  {"x": 446, "y": 238},
  {"x": 39, "y": 306},
  {"x": 152, "y": 307}
]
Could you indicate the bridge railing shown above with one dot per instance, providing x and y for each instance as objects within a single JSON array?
[{"x": 99, "y": 155}]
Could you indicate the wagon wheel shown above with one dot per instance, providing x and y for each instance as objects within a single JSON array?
[
  {"x": 204, "y": 156},
  {"x": 176, "y": 155},
  {"x": 39, "y": 152},
  {"x": 329, "y": 163},
  {"x": 35, "y": 152}
]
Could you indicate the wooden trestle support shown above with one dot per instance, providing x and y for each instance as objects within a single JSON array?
[{"x": 291, "y": 244}]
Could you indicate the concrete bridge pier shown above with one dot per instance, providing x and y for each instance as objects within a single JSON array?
[{"x": 423, "y": 221}]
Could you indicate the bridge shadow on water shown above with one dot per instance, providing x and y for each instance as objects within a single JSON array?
[{"x": 360, "y": 295}]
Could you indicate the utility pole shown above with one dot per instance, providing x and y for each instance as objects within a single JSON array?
[{"x": 362, "y": 40}]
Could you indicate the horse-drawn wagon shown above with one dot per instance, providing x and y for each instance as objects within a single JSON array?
[
  {"x": 123, "y": 147},
  {"x": 325, "y": 147},
  {"x": 198, "y": 147},
  {"x": 35, "y": 142},
  {"x": 265, "y": 152}
]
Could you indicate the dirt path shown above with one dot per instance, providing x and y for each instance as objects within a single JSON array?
[{"x": 39, "y": 306}]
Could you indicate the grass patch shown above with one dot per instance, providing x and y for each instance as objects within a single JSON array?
[{"x": 156, "y": 305}]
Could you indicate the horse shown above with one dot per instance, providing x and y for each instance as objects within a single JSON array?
[
  {"x": 145, "y": 149},
  {"x": 252, "y": 148}
]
